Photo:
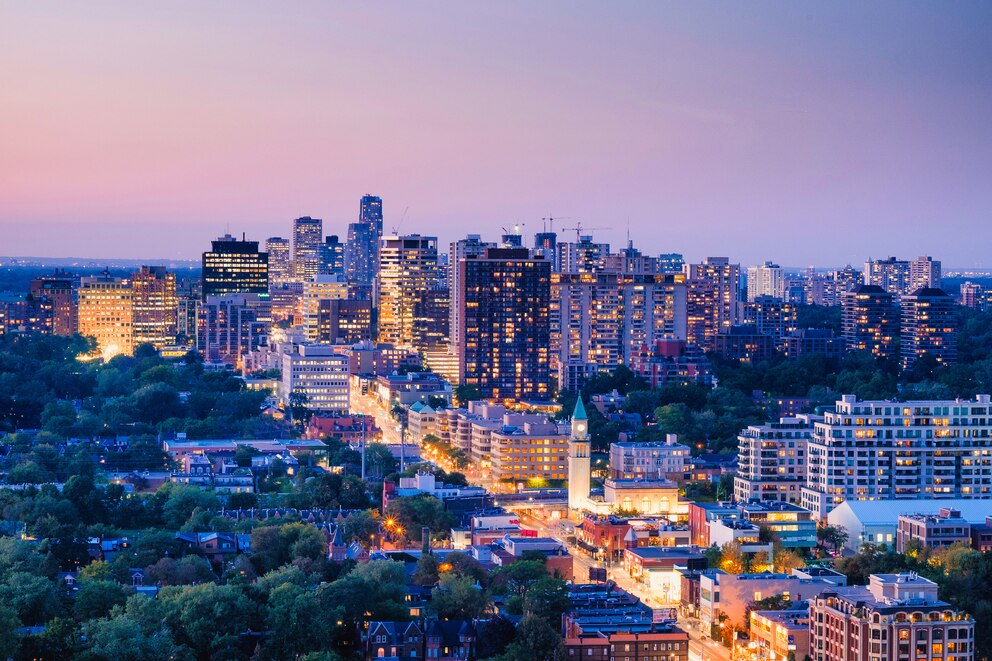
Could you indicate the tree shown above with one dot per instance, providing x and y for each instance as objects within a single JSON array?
[
  {"x": 297, "y": 622},
  {"x": 457, "y": 598},
  {"x": 121, "y": 638},
  {"x": 547, "y": 598},
  {"x": 96, "y": 599},
  {"x": 33, "y": 597},
  {"x": 427, "y": 572},
  {"x": 732, "y": 559},
  {"x": 833, "y": 536},
  {"x": 8, "y": 631},
  {"x": 536, "y": 639},
  {"x": 206, "y": 617}
]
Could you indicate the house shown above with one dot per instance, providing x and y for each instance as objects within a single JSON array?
[{"x": 441, "y": 640}]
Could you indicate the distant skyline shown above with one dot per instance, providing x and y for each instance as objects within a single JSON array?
[{"x": 801, "y": 133}]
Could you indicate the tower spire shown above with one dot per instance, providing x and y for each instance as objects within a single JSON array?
[{"x": 580, "y": 410}]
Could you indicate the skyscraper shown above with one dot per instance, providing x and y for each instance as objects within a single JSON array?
[
  {"x": 308, "y": 235},
  {"x": 929, "y": 327},
  {"x": 870, "y": 319},
  {"x": 582, "y": 257},
  {"x": 155, "y": 306},
  {"x": 321, "y": 288},
  {"x": 231, "y": 325},
  {"x": 471, "y": 246},
  {"x": 407, "y": 272},
  {"x": 280, "y": 260},
  {"x": 600, "y": 321},
  {"x": 106, "y": 313},
  {"x": 361, "y": 257},
  {"x": 714, "y": 291},
  {"x": 503, "y": 343},
  {"x": 332, "y": 256},
  {"x": 233, "y": 267}
]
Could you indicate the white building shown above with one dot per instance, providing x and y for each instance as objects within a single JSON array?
[
  {"x": 319, "y": 373},
  {"x": 884, "y": 450},
  {"x": 765, "y": 280},
  {"x": 876, "y": 521},
  {"x": 772, "y": 460},
  {"x": 648, "y": 460}
]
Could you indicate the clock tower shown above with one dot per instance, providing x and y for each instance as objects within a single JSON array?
[{"x": 579, "y": 467}]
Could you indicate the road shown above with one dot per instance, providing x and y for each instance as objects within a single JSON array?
[
  {"x": 366, "y": 405},
  {"x": 700, "y": 647}
]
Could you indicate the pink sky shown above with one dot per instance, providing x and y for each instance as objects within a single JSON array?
[{"x": 801, "y": 133}]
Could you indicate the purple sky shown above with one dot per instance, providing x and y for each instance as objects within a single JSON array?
[{"x": 801, "y": 132}]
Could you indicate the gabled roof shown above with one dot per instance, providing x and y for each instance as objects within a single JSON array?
[{"x": 580, "y": 410}]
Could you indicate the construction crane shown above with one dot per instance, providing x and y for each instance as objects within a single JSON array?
[
  {"x": 396, "y": 230},
  {"x": 549, "y": 222},
  {"x": 579, "y": 229}
]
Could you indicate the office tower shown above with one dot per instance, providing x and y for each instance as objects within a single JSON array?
[
  {"x": 155, "y": 306},
  {"x": 331, "y": 256},
  {"x": 280, "y": 261},
  {"x": 319, "y": 374},
  {"x": 308, "y": 235},
  {"x": 886, "y": 450},
  {"x": 671, "y": 262},
  {"x": 432, "y": 320},
  {"x": 870, "y": 320},
  {"x": 771, "y": 462},
  {"x": 470, "y": 246},
  {"x": 924, "y": 272},
  {"x": 582, "y": 257},
  {"x": 971, "y": 295},
  {"x": 504, "y": 336},
  {"x": 341, "y": 321},
  {"x": 600, "y": 321},
  {"x": 106, "y": 313},
  {"x": 714, "y": 292},
  {"x": 321, "y": 288},
  {"x": 579, "y": 461},
  {"x": 896, "y": 617},
  {"x": 929, "y": 327},
  {"x": 231, "y": 325},
  {"x": 234, "y": 267},
  {"x": 890, "y": 274},
  {"x": 407, "y": 272},
  {"x": 362, "y": 249},
  {"x": 771, "y": 316},
  {"x": 60, "y": 290},
  {"x": 765, "y": 280}
]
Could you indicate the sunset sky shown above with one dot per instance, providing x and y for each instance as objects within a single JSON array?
[{"x": 806, "y": 133}]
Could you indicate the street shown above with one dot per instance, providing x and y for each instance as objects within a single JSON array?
[{"x": 367, "y": 405}]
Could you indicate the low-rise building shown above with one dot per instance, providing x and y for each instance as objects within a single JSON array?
[
  {"x": 896, "y": 616},
  {"x": 728, "y": 595},
  {"x": 318, "y": 373},
  {"x": 700, "y": 516},
  {"x": 648, "y": 460},
  {"x": 780, "y": 635},
  {"x": 933, "y": 531},
  {"x": 791, "y": 525}
]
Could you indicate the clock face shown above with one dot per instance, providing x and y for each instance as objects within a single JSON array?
[{"x": 581, "y": 427}]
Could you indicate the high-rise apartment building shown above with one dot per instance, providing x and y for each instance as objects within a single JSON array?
[
  {"x": 308, "y": 237},
  {"x": 601, "y": 320},
  {"x": 771, "y": 316},
  {"x": 470, "y": 246},
  {"x": 712, "y": 299},
  {"x": 407, "y": 272},
  {"x": 870, "y": 320},
  {"x": 929, "y": 327},
  {"x": 925, "y": 272},
  {"x": 671, "y": 262},
  {"x": 231, "y": 325},
  {"x": 432, "y": 321},
  {"x": 890, "y": 274},
  {"x": 280, "y": 260},
  {"x": 971, "y": 295},
  {"x": 155, "y": 306},
  {"x": 361, "y": 257},
  {"x": 765, "y": 280},
  {"x": 321, "y": 288},
  {"x": 234, "y": 267},
  {"x": 503, "y": 342},
  {"x": 60, "y": 290},
  {"x": 583, "y": 256},
  {"x": 886, "y": 450},
  {"x": 332, "y": 256},
  {"x": 771, "y": 462},
  {"x": 106, "y": 313},
  {"x": 896, "y": 617}
]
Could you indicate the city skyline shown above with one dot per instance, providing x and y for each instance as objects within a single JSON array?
[{"x": 822, "y": 135}]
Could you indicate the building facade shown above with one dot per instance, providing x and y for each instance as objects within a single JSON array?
[{"x": 234, "y": 267}]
